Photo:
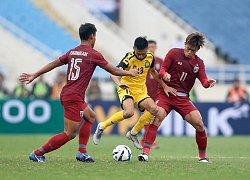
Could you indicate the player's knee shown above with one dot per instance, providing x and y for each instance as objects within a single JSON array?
[
  {"x": 154, "y": 110},
  {"x": 71, "y": 135},
  {"x": 92, "y": 118},
  {"x": 128, "y": 114},
  {"x": 156, "y": 122},
  {"x": 199, "y": 126}
]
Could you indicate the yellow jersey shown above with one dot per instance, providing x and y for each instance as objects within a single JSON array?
[{"x": 137, "y": 83}]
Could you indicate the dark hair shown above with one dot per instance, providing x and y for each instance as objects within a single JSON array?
[
  {"x": 141, "y": 43},
  {"x": 86, "y": 30},
  {"x": 152, "y": 41},
  {"x": 196, "y": 39}
]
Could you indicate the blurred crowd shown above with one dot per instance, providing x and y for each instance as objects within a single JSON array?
[
  {"x": 40, "y": 89},
  {"x": 43, "y": 90}
]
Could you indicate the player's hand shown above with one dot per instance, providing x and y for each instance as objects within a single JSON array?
[
  {"x": 24, "y": 77},
  {"x": 211, "y": 82},
  {"x": 169, "y": 90},
  {"x": 133, "y": 72},
  {"x": 123, "y": 86},
  {"x": 166, "y": 77}
]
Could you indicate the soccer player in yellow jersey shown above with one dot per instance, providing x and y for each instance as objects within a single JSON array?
[{"x": 132, "y": 91}]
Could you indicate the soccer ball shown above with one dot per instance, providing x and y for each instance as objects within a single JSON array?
[{"x": 122, "y": 153}]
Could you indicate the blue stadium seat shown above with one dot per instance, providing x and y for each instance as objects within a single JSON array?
[
  {"x": 26, "y": 16},
  {"x": 226, "y": 24}
]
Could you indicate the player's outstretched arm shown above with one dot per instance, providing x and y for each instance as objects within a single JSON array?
[
  {"x": 119, "y": 72},
  {"x": 166, "y": 88},
  {"x": 117, "y": 81},
  {"x": 208, "y": 82},
  {"x": 155, "y": 74},
  {"x": 26, "y": 77}
]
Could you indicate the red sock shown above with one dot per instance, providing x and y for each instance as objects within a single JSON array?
[
  {"x": 201, "y": 140},
  {"x": 145, "y": 132},
  {"x": 84, "y": 134},
  {"x": 150, "y": 138},
  {"x": 52, "y": 144}
]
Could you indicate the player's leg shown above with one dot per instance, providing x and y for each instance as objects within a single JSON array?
[
  {"x": 56, "y": 141},
  {"x": 151, "y": 134},
  {"x": 128, "y": 111},
  {"x": 142, "y": 101},
  {"x": 73, "y": 105},
  {"x": 144, "y": 134},
  {"x": 127, "y": 104},
  {"x": 147, "y": 116},
  {"x": 154, "y": 145},
  {"x": 150, "y": 107},
  {"x": 195, "y": 119},
  {"x": 84, "y": 134}
]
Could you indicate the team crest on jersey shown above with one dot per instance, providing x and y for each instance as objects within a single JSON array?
[
  {"x": 196, "y": 68},
  {"x": 81, "y": 114},
  {"x": 147, "y": 64}
]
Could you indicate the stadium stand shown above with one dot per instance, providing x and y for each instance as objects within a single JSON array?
[
  {"x": 160, "y": 24},
  {"x": 43, "y": 29},
  {"x": 16, "y": 57},
  {"x": 226, "y": 24},
  {"x": 32, "y": 20}
]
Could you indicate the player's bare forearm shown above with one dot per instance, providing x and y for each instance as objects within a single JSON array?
[
  {"x": 48, "y": 67},
  {"x": 155, "y": 74},
  {"x": 167, "y": 89},
  {"x": 115, "y": 79},
  {"x": 26, "y": 77},
  {"x": 119, "y": 72},
  {"x": 118, "y": 82}
]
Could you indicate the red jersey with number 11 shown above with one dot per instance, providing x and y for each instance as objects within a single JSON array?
[
  {"x": 183, "y": 71},
  {"x": 82, "y": 62}
]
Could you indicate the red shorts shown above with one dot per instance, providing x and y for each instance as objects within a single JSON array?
[
  {"x": 180, "y": 104},
  {"x": 73, "y": 106}
]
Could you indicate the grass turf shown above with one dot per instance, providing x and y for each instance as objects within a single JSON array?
[{"x": 176, "y": 159}]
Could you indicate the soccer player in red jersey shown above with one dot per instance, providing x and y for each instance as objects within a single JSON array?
[
  {"x": 81, "y": 62},
  {"x": 183, "y": 66},
  {"x": 152, "y": 83}
]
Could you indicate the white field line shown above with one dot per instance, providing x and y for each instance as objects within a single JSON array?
[{"x": 192, "y": 157}]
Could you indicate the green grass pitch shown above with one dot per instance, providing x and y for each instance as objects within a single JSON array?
[{"x": 176, "y": 159}]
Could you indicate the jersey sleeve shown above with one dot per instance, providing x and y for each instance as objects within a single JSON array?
[
  {"x": 202, "y": 75},
  {"x": 166, "y": 63},
  {"x": 153, "y": 63},
  {"x": 64, "y": 58},
  {"x": 124, "y": 63},
  {"x": 98, "y": 59}
]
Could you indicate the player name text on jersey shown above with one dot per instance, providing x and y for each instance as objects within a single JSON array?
[{"x": 79, "y": 53}]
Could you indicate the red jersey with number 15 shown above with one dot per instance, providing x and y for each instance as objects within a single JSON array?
[
  {"x": 183, "y": 71},
  {"x": 82, "y": 62}
]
